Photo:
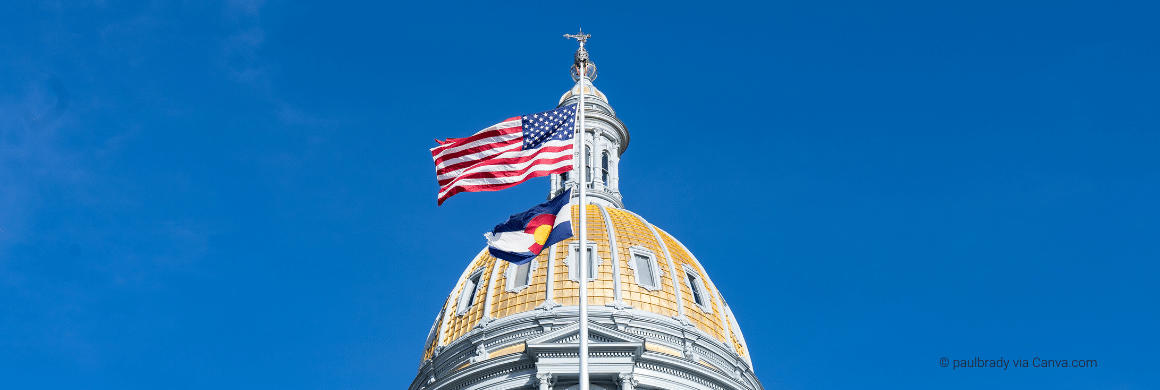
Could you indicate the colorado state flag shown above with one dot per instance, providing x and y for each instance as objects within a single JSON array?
[{"x": 526, "y": 234}]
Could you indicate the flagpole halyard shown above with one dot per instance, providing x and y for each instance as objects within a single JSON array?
[{"x": 582, "y": 63}]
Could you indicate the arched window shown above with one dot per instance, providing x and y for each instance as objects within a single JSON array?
[
  {"x": 604, "y": 168},
  {"x": 697, "y": 288},
  {"x": 467, "y": 295},
  {"x": 588, "y": 165}
]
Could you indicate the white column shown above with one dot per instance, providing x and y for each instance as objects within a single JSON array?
[
  {"x": 544, "y": 380},
  {"x": 626, "y": 381}
]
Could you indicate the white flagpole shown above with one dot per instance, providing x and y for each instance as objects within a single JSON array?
[
  {"x": 581, "y": 185},
  {"x": 583, "y": 230},
  {"x": 581, "y": 170}
]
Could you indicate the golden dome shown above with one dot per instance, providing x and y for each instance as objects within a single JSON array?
[{"x": 633, "y": 243}]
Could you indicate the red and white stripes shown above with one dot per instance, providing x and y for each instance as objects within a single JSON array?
[{"x": 494, "y": 159}]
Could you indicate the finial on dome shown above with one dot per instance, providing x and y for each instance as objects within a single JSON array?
[
  {"x": 580, "y": 36},
  {"x": 581, "y": 58}
]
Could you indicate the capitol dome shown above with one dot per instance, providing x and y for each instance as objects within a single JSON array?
[{"x": 657, "y": 320}]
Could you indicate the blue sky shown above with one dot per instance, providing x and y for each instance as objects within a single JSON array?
[{"x": 239, "y": 194}]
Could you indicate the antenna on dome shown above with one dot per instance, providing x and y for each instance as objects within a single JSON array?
[{"x": 578, "y": 162}]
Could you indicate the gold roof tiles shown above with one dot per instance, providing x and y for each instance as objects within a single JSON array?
[
  {"x": 631, "y": 232},
  {"x": 705, "y": 321}
]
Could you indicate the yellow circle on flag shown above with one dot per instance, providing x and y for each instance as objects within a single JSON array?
[{"x": 542, "y": 233}]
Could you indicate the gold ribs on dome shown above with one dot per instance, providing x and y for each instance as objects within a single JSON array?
[{"x": 629, "y": 231}]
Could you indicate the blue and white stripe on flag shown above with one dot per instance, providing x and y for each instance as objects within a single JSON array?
[{"x": 526, "y": 234}]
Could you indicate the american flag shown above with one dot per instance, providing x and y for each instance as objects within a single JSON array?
[{"x": 507, "y": 153}]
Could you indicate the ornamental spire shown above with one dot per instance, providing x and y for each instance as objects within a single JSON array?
[
  {"x": 581, "y": 58},
  {"x": 605, "y": 137}
]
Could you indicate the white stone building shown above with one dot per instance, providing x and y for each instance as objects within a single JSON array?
[{"x": 657, "y": 321}]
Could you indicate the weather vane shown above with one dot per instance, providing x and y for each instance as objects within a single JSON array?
[{"x": 581, "y": 36}]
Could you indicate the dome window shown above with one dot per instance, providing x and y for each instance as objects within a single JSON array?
[
  {"x": 696, "y": 291},
  {"x": 693, "y": 281},
  {"x": 519, "y": 276},
  {"x": 644, "y": 268},
  {"x": 604, "y": 168},
  {"x": 594, "y": 262},
  {"x": 467, "y": 296},
  {"x": 588, "y": 166}
]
